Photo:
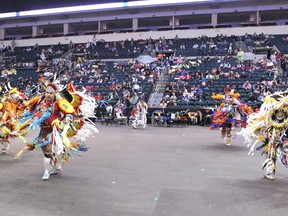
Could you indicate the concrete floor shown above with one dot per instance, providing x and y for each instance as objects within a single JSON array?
[{"x": 157, "y": 171}]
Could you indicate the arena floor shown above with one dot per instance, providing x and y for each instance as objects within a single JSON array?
[{"x": 135, "y": 172}]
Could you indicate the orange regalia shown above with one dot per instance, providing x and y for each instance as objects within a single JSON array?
[
  {"x": 233, "y": 112},
  {"x": 64, "y": 123},
  {"x": 10, "y": 110}
]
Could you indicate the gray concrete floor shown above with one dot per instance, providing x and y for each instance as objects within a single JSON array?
[{"x": 157, "y": 171}]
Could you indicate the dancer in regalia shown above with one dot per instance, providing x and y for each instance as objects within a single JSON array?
[
  {"x": 269, "y": 126},
  {"x": 64, "y": 125},
  {"x": 140, "y": 116},
  {"x": 232, "y": 113},
  {"x": 10, "y": 110}
]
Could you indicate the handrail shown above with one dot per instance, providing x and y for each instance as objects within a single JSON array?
[{"x": 156, "y": 89}]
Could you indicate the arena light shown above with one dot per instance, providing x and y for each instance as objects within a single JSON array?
[
  {"x": 103, "y": 6},
  {"x": 95, "y": 7},
  {"x": 71, "y": 9},
  {"x": 8, "y": 15},
  {"x": 160, "y": 2}
]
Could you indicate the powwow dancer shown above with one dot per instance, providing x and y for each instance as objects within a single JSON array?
[
  {"x": 64, "y": 125},
  {"x": 269, "y": 126},
  {"x": 140, "y": 115},
  {"x": 232, "y": 113},
  {"x": 10, "y": 110}
]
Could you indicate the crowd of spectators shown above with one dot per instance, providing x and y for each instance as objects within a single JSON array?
[
  {"x": 191, "y": 79},
  {"x": 188, "y": 82}
]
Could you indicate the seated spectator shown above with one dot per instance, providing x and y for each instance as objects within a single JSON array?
[
  {"x": 243, "y": 75},
  {"x": 163, "y": 105},
  {"x": 99, "y": 80},
  {"x": 127, "y": 102},
  {"x": 113, "y": 86},
  {"x": 247, "y": 85},
  {"x": 136, "y": 87},
  {"x": 251, "y": 97},
  {"x": 119, "y": 111},
  {"x": 126, "y": 93},
  {"x": 112, "y": 95},
  {"x": 173, "y": 97},
  {"x": 209, "y": 76},
  {"x": 91, "y": 80},
  {"x": 188, "y": 76},
  {"x": 134, "y": 99},
  {"x": 98, "y": 97},
  {"x": 170, "y": 103},
  {"x": 201, "y": 96},
  {"x": 270, "y": 65},
  {"x": 261, "y": 98}
]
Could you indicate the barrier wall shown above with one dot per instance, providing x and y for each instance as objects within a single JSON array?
[
  {"x": 100, "y": 113},
  {"x": 191, "y": 33}
]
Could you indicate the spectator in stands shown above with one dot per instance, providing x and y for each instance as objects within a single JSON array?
[
  {"x": 36, "y": 47},
  {"x": 284, "y": 67},
  {"x": 163, "y": 105},
  {"x": 98, "y": 97},
  {"x": 71, "y": 45},
  {"x": 135, "y": 87},
  {"x": 142, "y": 96},
  {"x": 198, "y": 75},
  {"x": 41, "y": 79},
  {"x": 203, "y": 82},
  {"x": 182, "y": 47},
  {"x": 151, "y": 79},
  {"x": 112, "y": 96},
  {"x": 251, "y": 97},
  {"x": 173, "y": 97},
  {"x": 201, "y": 96},
  {"x": 269, "y": 65},
  {"x": 94, "y": 40},
  {"x": 243, "y": 75},
  {"x": 126, "y": 93},
  {"x": 240, "y": 55},
  {"x": 261, "y": 97},
  {"x": 170, "y": 103},
  {"x": 13, "y": 45},
  {"x": 247, "y": 85},
  {"x": 230, "y": 49},
  {"x": 134, "y": 99},
  {"x": 231, "y": 75},
  {"x": 48, "y": 73},
  {"x": 127, "y": 102},
  {"x": 236, "y": 75},
  {"x": 113, "y": 86},
  {"x": 185, "y": 92},
  {"x": 203, "y": 46},
  {"x": 160, "y": 57},
  {"x": 99, "y": 80}
]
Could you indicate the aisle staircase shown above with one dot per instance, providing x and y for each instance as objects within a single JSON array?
[
  {"x": 157, "y": 95},
  {"x": 243, "y": 46}
]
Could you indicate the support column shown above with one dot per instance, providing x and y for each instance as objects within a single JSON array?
[
  {"x": 135, "y": 24},
  {"x": 257, "y": 17},
  {"x": 173, "y": 22},
  {"x": 66, "y": 28},
  {"x": 36, "y": 30},
  {"x": 2, "y": 33},
  {"x": 102, "y": 26},
  {"x": 214, "y": 19}
]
